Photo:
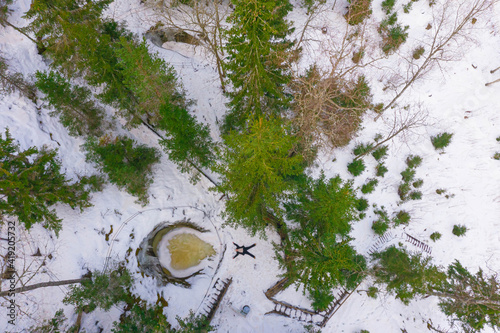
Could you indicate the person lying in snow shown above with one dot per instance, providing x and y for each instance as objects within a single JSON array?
[{"x": 243, "y": 250}]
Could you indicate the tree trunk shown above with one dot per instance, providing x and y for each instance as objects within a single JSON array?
[{"x": 42, "y": 285}]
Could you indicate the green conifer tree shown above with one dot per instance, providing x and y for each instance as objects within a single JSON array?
[
  {"x": 127, "y": 164},
  {"x": 103, "y": 291},
  {"x": 152, "y": 81},
  {"x": 406, "y": 275},
  {"x": 57, "y": 23},
  {"x": 142, "y": 318},
  {"x": 188, "y": 142},
  {"x": 319, "y": 255},
  {"x": 328, "y": 206},
  {"x": 259, "y": 59},
  {"x": 73, "y": 104},
  {"x": 31, "y": 182},
  {"x": 256, "y": 174},
  {"x": 193, "y": 324},
  {"x": 473, "y": 299}
]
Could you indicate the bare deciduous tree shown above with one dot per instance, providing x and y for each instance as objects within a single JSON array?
[
  {"x": 202, "y": 19},
  {"x": 452, "y": 23},
  {"x": 402, "y": 122}
]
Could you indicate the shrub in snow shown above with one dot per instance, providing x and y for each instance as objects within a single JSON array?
[
  {"x": 356, "y": 167},
  {"x": 31, "y": 183},
  {"x": 362, "y": 204},
  {"x": 435, "y": 236},
  {"x": 402, "y": 217},
  {"x": 362, "y": 148},
  {"x": 369, "y": 187},
  {"x": 441, "y": 140},
  {"x": 381, "y": 170},
  {"x": 380, "y": 153},
  {"x": 459, "y": 230}
]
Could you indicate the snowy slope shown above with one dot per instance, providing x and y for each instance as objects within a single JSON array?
[{"x": 454, "y": 96}]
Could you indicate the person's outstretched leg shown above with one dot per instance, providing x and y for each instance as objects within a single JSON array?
[
  {"x": 248, "y": 248},
  {"x": 251, "y": 255}
]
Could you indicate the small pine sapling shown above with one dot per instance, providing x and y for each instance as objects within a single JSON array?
[
  {"x": 459, "y": 230},
  {"x": 362, "y": 204},
  {"x": 380, "y": 153},
  {"x": 403, "y": 191},
  {"x": 496, "y": 156},
  {"x": 416, "y": 195},
  {"x": 413, "y": 161},
  {"x": 372, "y": 292},
  {"x": 441, "y": 141},
  {"x": 369, "y": 187},
  {"x": 418, "y": 183},
  {"x": 402, "y": 217},
  {"x": 418, "y": 52},
  {"x": 356, "y": 167},
  {"x": 435, "y": 236},
  {"x": 53, "y": 325},
  {"x": 408, "y": 175},
  {"x": 362, "y": 148},
  {"x": 388, "y": 6},
  {"x": 381, "y": 170},
  {"x": 380, "y": 227}
]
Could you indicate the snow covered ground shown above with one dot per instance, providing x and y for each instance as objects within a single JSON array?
[{"x": 454, "y": 95}]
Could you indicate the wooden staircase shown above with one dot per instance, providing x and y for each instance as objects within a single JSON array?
[{"x": 212, "y": 301}]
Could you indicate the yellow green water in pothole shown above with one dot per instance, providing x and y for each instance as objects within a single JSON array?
[{"x": 187, "y": 250}]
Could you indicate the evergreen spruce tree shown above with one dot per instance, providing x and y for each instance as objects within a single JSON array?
[
  {"x": 31, "y": 182},
  {"x": 102, "y": 291},
  {"x": 151, "y": 80},
  {"x": 193, "y": 324},
  {"x": 473, "y": 299},
  {"x": 82, "y": 44},
  {"x": 327, "y": 206},
  {"x": 319, "y": 255},
  {"x": 406, "y": 275},
  {"x": 256, "y": 171},
  {"x": 57, "y": 24},
  {"x": 142, "y": 318},
  {"x": 73, "y": 104},
  {"x": 188, "y": 143},
  {"x": 127, "y": 164},
  {"x": 163, "y": 103},
  {"x": 259, "y": 59}
]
